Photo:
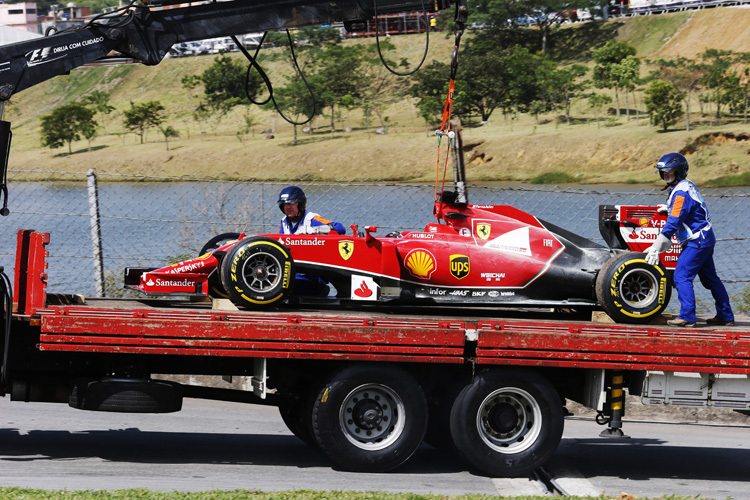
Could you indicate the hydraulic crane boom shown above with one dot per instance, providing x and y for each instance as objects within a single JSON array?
[{"x": 146, "y": 34}]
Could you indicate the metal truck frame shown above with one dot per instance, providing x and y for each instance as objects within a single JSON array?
[{"x": 363, "y": 385}]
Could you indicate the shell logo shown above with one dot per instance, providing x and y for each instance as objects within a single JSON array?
[
  {"x": 643, "y": 222},
  {"x": 420, "y": 263}
]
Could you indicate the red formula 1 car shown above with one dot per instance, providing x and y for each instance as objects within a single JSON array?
[{"x": 473, "y": 254}]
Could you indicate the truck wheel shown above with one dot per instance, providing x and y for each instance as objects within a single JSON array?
[
  {"x": 297, "y": 416},
  {"x": 126, "y": 396},
  {"x": 630, "y": 290},
  {"x": 370, "y": 418},
  {"x": 215, "y": 287},
  {"x": 257, "y": 272},
  {"x": 507, "y": 422}
]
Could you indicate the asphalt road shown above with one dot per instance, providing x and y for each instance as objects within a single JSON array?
[{"x": 212, "y": 445}]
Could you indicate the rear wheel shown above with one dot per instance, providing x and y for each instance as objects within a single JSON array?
[
  {"x": 297, "y": 416},
  {"x": 257, "y": 272},
  {"x": 507, "y": 422},
  {"x": 370, "y": 419},
  {"x": 630, "y": 290}
]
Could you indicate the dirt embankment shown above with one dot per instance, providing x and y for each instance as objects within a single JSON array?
[{"x": 710, "y": 29}]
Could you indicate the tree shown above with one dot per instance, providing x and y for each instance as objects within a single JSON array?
[
  {"x": 380, "y": 88},
  {"x": 340, "y": 74},
  {"x": 99, "y": 102},
  {"x": 168, "y": 132},
  {"x": 430, "y": 87},
  {"x": 295, "y": 101},
  {"x": 598, "y": 101},
  {"x": 626, "y": 75},
  {"x": 686, "y": 75},
  {"x": 608, "y": 71},
  {"x": 717, "y": 64},
  {"x": 663, "y": 103},
  {"x": 226, "y": 84},
  {"x": 561, "y": 86},
  {"x": 142, "y": 116},
  {"x": 66, "y": 123}
]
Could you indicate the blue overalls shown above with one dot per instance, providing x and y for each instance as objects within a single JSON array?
[{"x": 690, "y": 223}]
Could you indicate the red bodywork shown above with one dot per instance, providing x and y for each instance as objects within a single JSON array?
[{"x": 478, "y": 253}]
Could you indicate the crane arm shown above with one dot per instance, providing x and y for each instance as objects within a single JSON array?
[{"x": 146, "y": 34}]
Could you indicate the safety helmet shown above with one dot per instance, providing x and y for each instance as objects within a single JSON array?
[
  {"x": 673, "y": 161},
  {"x": 291, "y": 194}
]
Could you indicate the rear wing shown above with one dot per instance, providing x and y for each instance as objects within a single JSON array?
[{"x": 635, "y": 228}]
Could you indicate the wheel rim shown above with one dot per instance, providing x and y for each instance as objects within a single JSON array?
[
  {"x": 262, "y": 272},
  {"x": 372, "y": 417},
  {"x": 638, "y": 288},
  {"x": 509, "y": 420}
]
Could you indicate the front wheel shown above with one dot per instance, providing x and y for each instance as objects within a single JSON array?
[
  {"x": 630, "y": 290},
  {"x": 257, "y": 272},
  {"x": 370, "y": 418},
  {"x": 508, "y": 422}
]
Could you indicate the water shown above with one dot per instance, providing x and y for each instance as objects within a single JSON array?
[{"x": 144, "y": 224}]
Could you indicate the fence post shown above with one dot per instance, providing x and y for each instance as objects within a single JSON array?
[{"x": 96, "y": 232}]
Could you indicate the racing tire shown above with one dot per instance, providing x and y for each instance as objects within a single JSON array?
[
  {"x": 131, "y": 396},
  {"x": 218, "y": 241},
  {"x": 370, "y": 418},
  {"x": 257, "y": 272},
  {"x": 507, "y": 423},
  {"x": 215, "y": 287},
  {"x": 630, "y": 290}
]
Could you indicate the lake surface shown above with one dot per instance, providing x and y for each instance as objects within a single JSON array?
[{"x": 144, "y": 224}]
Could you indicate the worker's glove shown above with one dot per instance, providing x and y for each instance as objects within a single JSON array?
[
  {"x": 661, "y": 209},
  {"x": 319, "y": 230},
  {"x": 662, "y": 244}
]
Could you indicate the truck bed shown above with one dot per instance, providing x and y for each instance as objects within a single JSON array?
[{"x": 483, "y": 336}]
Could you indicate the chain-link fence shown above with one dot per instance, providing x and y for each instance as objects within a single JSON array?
[{"x": 145, "y": 221}]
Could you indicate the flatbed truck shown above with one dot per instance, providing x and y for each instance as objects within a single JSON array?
[{"x": 366, "y": 386}]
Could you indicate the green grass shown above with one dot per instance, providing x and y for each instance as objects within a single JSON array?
[
  {"x": 553, "y": 178},
  {"x": 139, "y": 494}
]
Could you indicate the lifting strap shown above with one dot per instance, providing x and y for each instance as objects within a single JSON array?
[{"x": 460, "y": 16}]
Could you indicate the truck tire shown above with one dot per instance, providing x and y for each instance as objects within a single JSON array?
[
  {"x": 131, "y": 396},
  {"x": 370, "y": 418},
  {"x": 297, "y": 416},
  {"x": 507, "y": 422},
  {"x": 630, "y": 290},
  {"x": 215, "y": 287},
  {"x": 257, "y": 272}
]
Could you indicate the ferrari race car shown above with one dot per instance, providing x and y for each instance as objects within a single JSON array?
[{"x": 473, "y": 255}]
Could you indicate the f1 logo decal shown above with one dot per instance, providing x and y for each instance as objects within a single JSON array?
[{"x": 37, "y": 56}]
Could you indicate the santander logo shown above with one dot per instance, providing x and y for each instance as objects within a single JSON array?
[{"x": 363, "y": 290}]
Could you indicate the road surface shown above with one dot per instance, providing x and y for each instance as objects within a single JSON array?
[{"x": 216, "y": 445}]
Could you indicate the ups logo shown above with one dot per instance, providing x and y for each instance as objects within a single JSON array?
[{"x": 459, "y": 266}]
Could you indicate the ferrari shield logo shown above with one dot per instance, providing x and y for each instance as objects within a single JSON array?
[
  {"x": 346, "y": 249},
  {"x": 483, "y": 231},
  {"x": 459, "y": 266}
]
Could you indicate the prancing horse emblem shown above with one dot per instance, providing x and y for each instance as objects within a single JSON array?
[
  {"x": 346, "y": 249},
  {"x": 483, "y": 231}
]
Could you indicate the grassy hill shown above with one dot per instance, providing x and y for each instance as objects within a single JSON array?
[{"x": 616, "y": 150}]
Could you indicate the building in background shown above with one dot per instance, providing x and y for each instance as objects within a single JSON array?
[{"x": 21, "y": 15}]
